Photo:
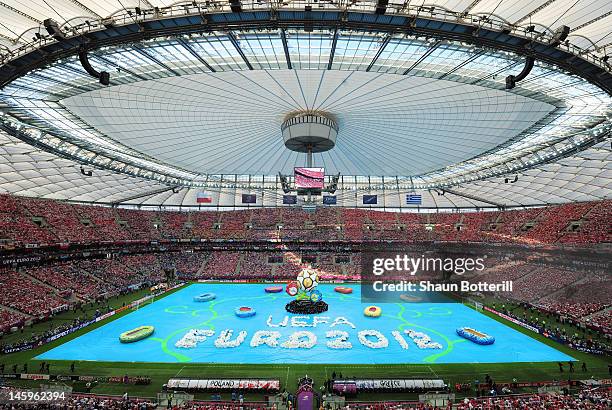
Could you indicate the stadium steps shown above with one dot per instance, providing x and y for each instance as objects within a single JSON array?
[
  {"x": 15, "y": 311},
  {"x": 240, "y": 260},
  {"x": 27, "y": 212},
  {"x": 564, "y": 288},
  {"x": 583, "y": 219},
  {"x": 50, "y": 287},
  {"x": 202, "y": 266},
  {"x": 587, "y": 213},
  {"x": 599, "y": 312},
  {"x": 429, "y": 234},
  {"x": 534, "y": 271},
  {"x": 38, "y": 281}
]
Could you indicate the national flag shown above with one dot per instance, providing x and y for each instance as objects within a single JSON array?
[
  {"x": 289, "y": 199},
  {"x": 414, "y": 199},
  {"x": 329, "y": 200},
  {"x": 204, "y": 198},
  {"x": 249, "y": 198},
  {"x": 370, "y": 199}
]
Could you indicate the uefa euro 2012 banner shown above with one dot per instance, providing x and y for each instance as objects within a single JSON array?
[{"x": 340, "y": 334}]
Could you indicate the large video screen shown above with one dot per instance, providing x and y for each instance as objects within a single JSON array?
[{"x": 309, "y": 178}]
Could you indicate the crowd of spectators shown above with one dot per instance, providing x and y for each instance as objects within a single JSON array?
[
  {"x": 115, "y": 274},
  {"x": 576, "y": 310},
  {"x": 587, "y": 399},
  {"x": 9, "y": 320},
  {"x": 76, "y": 402},
  {"x": 572, "y": 332},
  {"x": 279, "y": 266},
  {"x": 222, "y": 264},
  {"x": 598, "y": 399},
  {"x": 544, "y": 281},
  {"x": 147, "y": 267},
  {"x": 23, "y": 294},
  {"x": 26, "y": 220},
  {"x": 188, "y": 265},
  {"x": 66, "y": 276},
  {"x": 601, "y": 320},
  {"x": 140, "y": 224},
  {"x": 17, "y": 225},
  {"x": 254, "y": 265},
  {"x": 594, "y": 288}
]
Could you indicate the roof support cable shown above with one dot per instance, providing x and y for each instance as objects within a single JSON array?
[
  {"x": 286, "y": 47},
  {"x": 333, "y": 50},
  {"x": 232, "y": 38},
  {"x": 423, "y": 57},
  {"x": 379, "y": 52}
]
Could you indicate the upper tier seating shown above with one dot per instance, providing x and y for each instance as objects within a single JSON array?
[{"x": 26, "y": 221}]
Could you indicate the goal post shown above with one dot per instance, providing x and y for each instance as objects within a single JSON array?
[
  {"x": 477, "y": 305},
  {"x": 137, "y": 304}
]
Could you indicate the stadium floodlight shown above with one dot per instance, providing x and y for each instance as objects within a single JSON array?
[
  {"x": 331, "y": 188},
  {"x": 108, "y": 22},
  {"x": 559, "y": 36},
  {"x": 284, "y": 183},
  {"x": 236, "y": 6},
  {"x": 54, "y": 30},
  {"x": 381, "y": 6}
]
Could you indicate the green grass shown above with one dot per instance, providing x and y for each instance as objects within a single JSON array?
[
  {"x": 86, "y": 312},
  {"x": 288, "y": 374},
  {"x": 551, "y": 321}
]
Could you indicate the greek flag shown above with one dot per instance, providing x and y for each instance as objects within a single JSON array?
[{"x": 414, "y": 199}]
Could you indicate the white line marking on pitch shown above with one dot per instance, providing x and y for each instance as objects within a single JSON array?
[{"x": 287, "y": 378}]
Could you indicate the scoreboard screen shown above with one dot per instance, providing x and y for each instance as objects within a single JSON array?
[{"x": 309, "y": 178}]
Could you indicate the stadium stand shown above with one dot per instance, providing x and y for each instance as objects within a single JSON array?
[
  {"x": 592, "y": 400},
  {"x": 10, "y": 319},
  {"x": 67, "y": 276},
  {"x": 28, "y": 296},
  {"x": 60, "y": 222}
]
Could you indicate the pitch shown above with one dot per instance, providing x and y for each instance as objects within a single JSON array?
[{"x": 411, "y": 333}]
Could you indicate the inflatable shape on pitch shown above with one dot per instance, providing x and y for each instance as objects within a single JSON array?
[
  {"x": 245, "y": 311},
  {"x": 372, "y": 311},
  {"x": 204, "y": 297},
  {"x": 137, "y": 334},
  {"x": 475, "y": 336},
  {"x": 342, "y": 289},
  {"x": 274, "y": 289}
]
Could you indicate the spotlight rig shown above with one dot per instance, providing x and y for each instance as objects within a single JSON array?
[{"x": 309, "y": 132}]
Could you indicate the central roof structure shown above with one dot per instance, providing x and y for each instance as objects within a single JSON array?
[
  {"x": 417, "y": 91},
  {"x": 229, "y": 122}
]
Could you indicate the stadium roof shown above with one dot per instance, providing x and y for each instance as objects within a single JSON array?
[
  {"x": 589, "y": 20},
  {"x": 198, "y": 93}
]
